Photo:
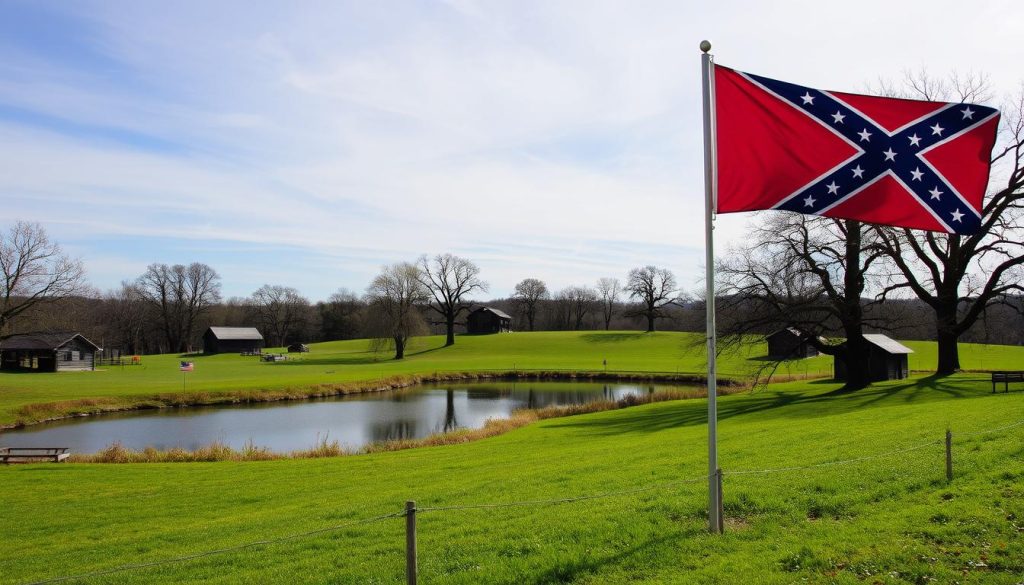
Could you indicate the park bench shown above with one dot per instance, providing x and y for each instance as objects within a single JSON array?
[
  {"x": 10, "y": 455},
  {"x": 1006, "y": 378}
]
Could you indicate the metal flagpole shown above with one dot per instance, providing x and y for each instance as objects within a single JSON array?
[{"x": 714, "y": 474}]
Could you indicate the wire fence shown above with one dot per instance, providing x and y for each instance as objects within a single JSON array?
[{"x": 411, "y": 510}]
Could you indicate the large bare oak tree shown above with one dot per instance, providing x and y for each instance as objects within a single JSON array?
[
  {"x": 806, "y": 273},
  {"x": 181, "y": 295},
  {"x": 450, "y": 280},
  {"x": 960, "y": 277},
  {"x": 654, "y": 289},
  {"x": 528, "y": 296},
  {"x": 33, "y": 270}
]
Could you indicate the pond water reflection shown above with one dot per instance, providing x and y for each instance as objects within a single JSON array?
[{"x": 352, "y": 420}]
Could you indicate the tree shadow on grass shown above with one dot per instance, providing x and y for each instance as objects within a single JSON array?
[
  {"x": 571, "y": 571},
  {"x": 356, "y": 359},
  {"x": 614, "y": 337},
  {"x": 781, "y": 404}
]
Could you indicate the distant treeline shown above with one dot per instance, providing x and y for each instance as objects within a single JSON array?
[{"x": 132, "y": 325}]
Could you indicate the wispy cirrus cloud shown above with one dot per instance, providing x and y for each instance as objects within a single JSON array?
[{"x": 308, "y": 146}]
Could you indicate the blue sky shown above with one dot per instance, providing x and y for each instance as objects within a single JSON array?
[{"x": 309, "y": 143}]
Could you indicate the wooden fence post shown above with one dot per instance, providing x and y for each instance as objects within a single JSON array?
[
  {"x": 410, "y": 543},
  {"x": 949, "y": 455},
  {"x": 721, "y": 507}
]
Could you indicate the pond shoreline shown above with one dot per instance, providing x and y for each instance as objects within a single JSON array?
[
  {"x": 116, "y": 453},
  {"x": 34, "y": 414}
]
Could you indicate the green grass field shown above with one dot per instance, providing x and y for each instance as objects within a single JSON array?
[
  {"x": 891, "y": 519},
  {"x": 158, "y": 381}
]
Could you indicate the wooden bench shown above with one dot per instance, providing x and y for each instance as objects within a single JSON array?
[
  {"x": 10, "y": 455},
  {"x": 1006, "y": 378}
]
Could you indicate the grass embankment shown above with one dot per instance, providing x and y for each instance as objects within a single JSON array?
[
  {"x": 893, "y": 519},
  {"x": 349, "y": 366}
]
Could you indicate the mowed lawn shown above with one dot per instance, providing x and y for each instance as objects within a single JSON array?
[
  {"x": 345, "y": 362},
  {"x": 888, "y": 519}
]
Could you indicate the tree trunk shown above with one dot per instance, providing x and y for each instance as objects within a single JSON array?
[
  {"x": 449, "y": 328},
  {"x": 858, "y": 362},
  {"x": 530, "y": 314},
  {"x": 399, "y": 347},
  {"x": 858, "y": 356},
  {"x": 650, "y": 322},
  {"x": 949, "y": 352}
]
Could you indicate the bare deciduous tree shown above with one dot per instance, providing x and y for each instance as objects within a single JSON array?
[
  {"x": 573, "y": 304},
  {"x": 529, "y": 293},
  {"x": 960, "y": 277},
  {"x": 450, "y": 280},
  {"x": 609, "y": 289},
  {"x": 125, "y": 314},
  {"x": 280, "y": 310},
  {"x": 807, "y": 273},
  {"x": 395, "y": 295},
  {"x": 33, "y": 270},
  {"x": 181, "y": 294},
  {"x": 654, "y": 289}
]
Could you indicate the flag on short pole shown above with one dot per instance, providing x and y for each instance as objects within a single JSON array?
[
  {"x": 187, "y": 366},
  {"x": 905, "y": 163}
]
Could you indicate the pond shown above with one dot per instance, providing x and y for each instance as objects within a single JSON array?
[{"x": 354, "y": 420}]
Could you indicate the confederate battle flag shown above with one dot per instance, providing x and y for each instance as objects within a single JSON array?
[{"x": 897, "y": 162}]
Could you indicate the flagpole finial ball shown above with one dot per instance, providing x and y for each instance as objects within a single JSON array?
[{"x": 705, "y": 46}]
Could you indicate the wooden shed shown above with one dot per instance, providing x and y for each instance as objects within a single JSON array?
[
  {"x": 65, "y": 351},
  {"x": 232, "y": 340},
  {"x": 789, "y": 344},
  {"x": 488, "y": 320},
  {"x": 888, "y": 359}
]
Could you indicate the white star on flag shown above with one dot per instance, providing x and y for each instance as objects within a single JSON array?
[
  {"x": 957, "y": 215},
  {"x": 917, "y": 173},
  {"x": 832, "y": 188},
  {"x": 838, "y": 117},
  {"x": 808, "y": 98},
  {"x": 890, "y": 154},
  {"x": 915, "y": 140},
  {"x": 858, "y": 173},
  {"x": 935, "y": 192},
  {"x": 864, "y": 135},
  {"x": 968, "y": 113},
  {"x": 809, "y": 202},
  {"x": 936, "y": 129}
]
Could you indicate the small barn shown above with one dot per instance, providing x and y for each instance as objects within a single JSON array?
[
  {"x": 48, "y": 352},
  {"x": 789, "y": 344},
  {"x": 488, "y": 320},
  {"x": 232, "y": 340},
  {"x": 888, "y": 359}
]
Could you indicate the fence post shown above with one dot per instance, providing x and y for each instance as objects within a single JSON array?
[
  {"x": 410, "y": 543},
  {"x": 721, "y": 508},
  {"x": 949, "y": 455}
]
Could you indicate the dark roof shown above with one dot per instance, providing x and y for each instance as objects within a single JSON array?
[
  {"x": 501, "y": 314},
  {"x": 51, "y": 340},
  {"x": 236, "y": 333}
]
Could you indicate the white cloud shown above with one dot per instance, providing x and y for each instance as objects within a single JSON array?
[{"x": 559, "y": 140}]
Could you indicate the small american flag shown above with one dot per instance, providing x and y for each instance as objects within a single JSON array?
[{"x": 187, "y": 366}]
